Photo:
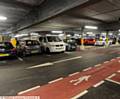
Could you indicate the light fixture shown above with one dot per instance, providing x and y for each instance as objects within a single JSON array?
[
  {"x": 91, "y": 27},
  {"x": 57, "y": 31},
  {"x": 3, "y": 18}
]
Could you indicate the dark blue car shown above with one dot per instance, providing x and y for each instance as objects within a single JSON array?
[{"x": 7, "y": 49}]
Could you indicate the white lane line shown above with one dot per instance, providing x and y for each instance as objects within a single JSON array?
[
  {"x": 55, "y": 80},
  {"x": 3, "y": 62},
  {"x": 97, "y": 65},
  {"x": 20, "y": 59},
  {"x": 80, "y": 95},
  {"x": 22, "y": 92},
  {"x": 119, "y": 61},
  {"x": 112, "y": 59},
  {"x": 73, "y": 74},
  {"x": 87, "y": 69},
  {"x": 113, "y": 81},
  {"x": 118, "y": 71},
  {"x": 41, "y": 65},
  {"x": 111, "y": 76},
  {"x": 106, "y": 62},
  {"x": 98, "y": 84},
  {"x": 64, "y": 60},
  {"x": 52, "y": 63},
  {"x": 118, "y": 57}
]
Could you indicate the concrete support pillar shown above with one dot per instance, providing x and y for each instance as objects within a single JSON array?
[
  {"x": 107, "y": 39},
  {"x": 82, "y": 47}
]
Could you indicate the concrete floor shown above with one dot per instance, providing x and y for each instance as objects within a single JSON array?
[{"x": 17, "y": 75}]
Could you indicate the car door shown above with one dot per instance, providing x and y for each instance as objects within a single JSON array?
[{"x": 43, "y": 43}]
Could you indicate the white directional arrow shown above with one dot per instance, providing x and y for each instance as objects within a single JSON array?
[{"x": 81, "y": 79}]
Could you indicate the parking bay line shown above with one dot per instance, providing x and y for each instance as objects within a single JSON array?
[
  {"x": 52, "y": 63},
  {"x": 22, "y": 92},
  {"x": 80, "y": 95}
]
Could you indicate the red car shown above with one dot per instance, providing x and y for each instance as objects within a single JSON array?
[{"x": 89, "y": 41}]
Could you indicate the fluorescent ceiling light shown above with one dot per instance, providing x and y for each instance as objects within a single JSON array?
[
  {"x": 3, "y": 18},
  {"x": 91, "y": 27},
  {"x": 57, "y": 31}
]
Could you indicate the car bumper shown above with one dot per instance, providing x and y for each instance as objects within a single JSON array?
[
  {"x": 4, "y": 55},
  {"x": 57, "y": 49}
]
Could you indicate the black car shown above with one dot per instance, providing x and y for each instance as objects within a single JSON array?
[
  {"x": 71, "y": 45},
  {"x": 7, "y": 49}
]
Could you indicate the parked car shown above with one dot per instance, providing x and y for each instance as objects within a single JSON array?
[
  {"x": 114, "y": 40},
  {"x": 119, "y": 40},
  {"x": 28, "y": 47},
  {"x": 102, "y": 42},
  {"x": 52, "y": 43},
  {"x": 71, "y": 45},
  {"x": 7, "y": 49},
  {"x": 86, "y": 41},
  {"x": 89, "y": 41}
]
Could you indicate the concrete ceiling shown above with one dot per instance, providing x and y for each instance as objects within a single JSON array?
[
  {"x": 95, "y": 12},
  {"x": 15, "y": 10},
  {"x": 99, "y": 13}
]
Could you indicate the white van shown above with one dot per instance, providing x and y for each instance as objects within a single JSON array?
[{"x": 51, "y": 43}]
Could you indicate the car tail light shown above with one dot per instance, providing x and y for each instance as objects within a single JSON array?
[
  {"x": 94, "y": 40},
  {"x": 13, "y": 50}
]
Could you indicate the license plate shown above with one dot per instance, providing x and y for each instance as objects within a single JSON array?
[{"x": 35, "y": 51}]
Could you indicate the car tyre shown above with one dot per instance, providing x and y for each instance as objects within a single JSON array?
[{"x": 47, "y": 50}]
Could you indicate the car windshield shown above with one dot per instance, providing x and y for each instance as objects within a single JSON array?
[
  {"x": 6, "y": 45},
  {"x": 53, "y": 39}
]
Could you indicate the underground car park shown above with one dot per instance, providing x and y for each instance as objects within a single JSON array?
[{"x": 60, "y": 49}]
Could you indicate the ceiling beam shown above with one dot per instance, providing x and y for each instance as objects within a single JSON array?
[
  {"x": 47, "y": 10},
  {"x": 13, "y": 4}
]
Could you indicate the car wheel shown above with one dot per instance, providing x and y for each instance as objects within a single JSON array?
[
  {"x": 24, "y": 53},
  {"x": 42, "y": 50},
  {"x": 47, "y": 50}
]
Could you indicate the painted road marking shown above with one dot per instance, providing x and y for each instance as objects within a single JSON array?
[
  {"x": 41, "y": 65},
  {"x": 64, "y": 60},
  {"x": 72, "y": 85},
  {"x": 74, "y": 74},
  {"x": 118, "y": 57},
  {"x": 118, "y": 71},
  {"x": 80, "y": 95},
  {"x": 110, "y": 80},
  {"x": 106, "y": 62},
  {"x": 111, "y": 76},
  {"x": 87, "y": 69},
  {"x": 3, "y": 62},
  {"x": 115, "y": 79},
  {"x": 55, "y": 80},
  {"x": 20, "y": 59},
  {"x": 52, "y": 63},
  {"x": 112, "y": 59},
  {"x": 119, "y": 61},
  {"x": 22, "y": 92},
  {"x": 79, "y": 80},
  {"x": 97, "y": 65},
  {"x": 98, "y": 84}
]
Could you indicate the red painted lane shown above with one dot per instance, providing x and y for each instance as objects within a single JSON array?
[
  {"x": 116, "y": 78},
  {"x": 65, "y": 89}
]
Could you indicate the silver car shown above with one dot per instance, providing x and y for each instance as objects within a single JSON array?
[{"x": 30, "y": 47}]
